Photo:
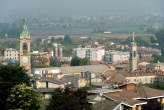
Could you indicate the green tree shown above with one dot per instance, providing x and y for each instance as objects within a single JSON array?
[
  {"x": 43, "y": 61},
  {"x": 39, "y": 62},
  {"x": 55, "y": 62},
  {"x": 23, "y": 97},
  {"x": 9, "y": 77},
  {"x": 158, "y": 85},
  {"x": 84, "y": 61},
  {"x": 68, "y": 99},
  {"x": 160, "y": 39},
  {"x": 141, "y": 40},
  {"x": 76, "y": 61},
  {"x": 158, "y": 58},
  {"x": 67, "y": 39}
]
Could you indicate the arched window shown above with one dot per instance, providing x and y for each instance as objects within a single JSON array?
[{"x": 25, "y": 48}]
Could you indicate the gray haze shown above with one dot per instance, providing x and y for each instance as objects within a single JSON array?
[{"x": 50, "y": 8}]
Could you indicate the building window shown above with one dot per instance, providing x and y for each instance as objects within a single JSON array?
[
  {"x": 152, "y": 80},
  {"x": 46, "y": 84},
  {"x": 131, "y": 55}
]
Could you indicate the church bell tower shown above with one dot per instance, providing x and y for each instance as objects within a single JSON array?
[
  {"x": 25, "y": 52},
  {"x": 133, "y": 54}
]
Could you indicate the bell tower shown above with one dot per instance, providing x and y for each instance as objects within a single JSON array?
[
  {"x": 25, "y": 51},
  {"x": 133, "y": 54}
]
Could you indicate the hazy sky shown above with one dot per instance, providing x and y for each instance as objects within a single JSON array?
[{"x": 80, "y": 7}]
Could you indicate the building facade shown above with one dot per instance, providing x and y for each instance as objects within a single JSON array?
[
  {"x": 116, "y": 56},
  {"x": 93, "y": 54},
  {"x": 155, "y": 66},
  {"x": 80, "y": 52},
  {"x": 58, "y": 50},
  {"x": 11, "y": 54},
  {"x": 41, "y": 59}
]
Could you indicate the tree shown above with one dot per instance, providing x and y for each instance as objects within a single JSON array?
[
  {"x": 152, "y": 105},
  {"x": 67, "y": 39},
  {"x": 76, "y": 61},
  {"x": 158, "y": 58},
  {"x": 160, "y": 39},
  {"x": 43, "y": 61},
  {"x": 9, "y": 77},
  {"x": 84, "y": 61},
  {"x": 159, "y": 86},
  {"x": 24, "y": 97},
  {"x": 54, "y": 61},
  {"x": 39, "y": 62},
  {"x": 141, "y": 40},
  {"x": 68, "y": 99}
]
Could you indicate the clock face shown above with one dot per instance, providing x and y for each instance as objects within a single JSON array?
[{"x": 25, "y": 59}]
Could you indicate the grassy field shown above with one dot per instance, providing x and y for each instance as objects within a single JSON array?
[
  {"x": 128, "y": 29},
  {"x": 94, "y": 37}
]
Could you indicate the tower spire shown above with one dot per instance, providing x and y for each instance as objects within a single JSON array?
[
  {"x": 25, "y": 32},
  {"x": 132, "y": 39},
  {"x": 133, "y": 54}
]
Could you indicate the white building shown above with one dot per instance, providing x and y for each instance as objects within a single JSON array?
[
  {"x": 11, "y": 54},
  {"x": 80, "y": 52},
  {"x": 116, "y": 56},
  {"x": 93, "y": 54},
  {"x": 155, "y": 66}
]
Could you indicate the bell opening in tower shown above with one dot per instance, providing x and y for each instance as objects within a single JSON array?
[{"x": 25, "y": 48}]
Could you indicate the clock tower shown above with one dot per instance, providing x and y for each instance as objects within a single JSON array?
[
  {"x": 133, "y": 54},
  {"x": 25, "y": 52}
]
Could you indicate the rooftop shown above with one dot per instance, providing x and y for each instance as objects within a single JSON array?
[
  {"x": 105, "y": 105},
  {"x": 90, "y": 68},
  {"x": 98, "y": 91},
  {"x": 52, "y": 80},
  {"x": 78, "y": 69},
  {"x": 119, "y": 53},
  {"x": 45, "y": 90},
  {"x": 135, "y": 95}
]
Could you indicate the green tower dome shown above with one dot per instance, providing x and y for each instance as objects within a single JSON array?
[{"x": 25, "y": 32}]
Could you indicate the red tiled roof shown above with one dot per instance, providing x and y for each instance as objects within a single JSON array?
[
  {"x": 95, "y": 62},
  {"x": 65, "y": 65},
  {"x": 147, "y": 92}
]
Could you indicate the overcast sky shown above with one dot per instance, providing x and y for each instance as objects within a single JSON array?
[{"x": 80, "y": 7}]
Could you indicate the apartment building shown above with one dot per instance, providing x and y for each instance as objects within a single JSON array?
[
  {"x": 11, "y": 54},
  {"x": 116, "y": 56},
  {"x": 93, "y": 54}
]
